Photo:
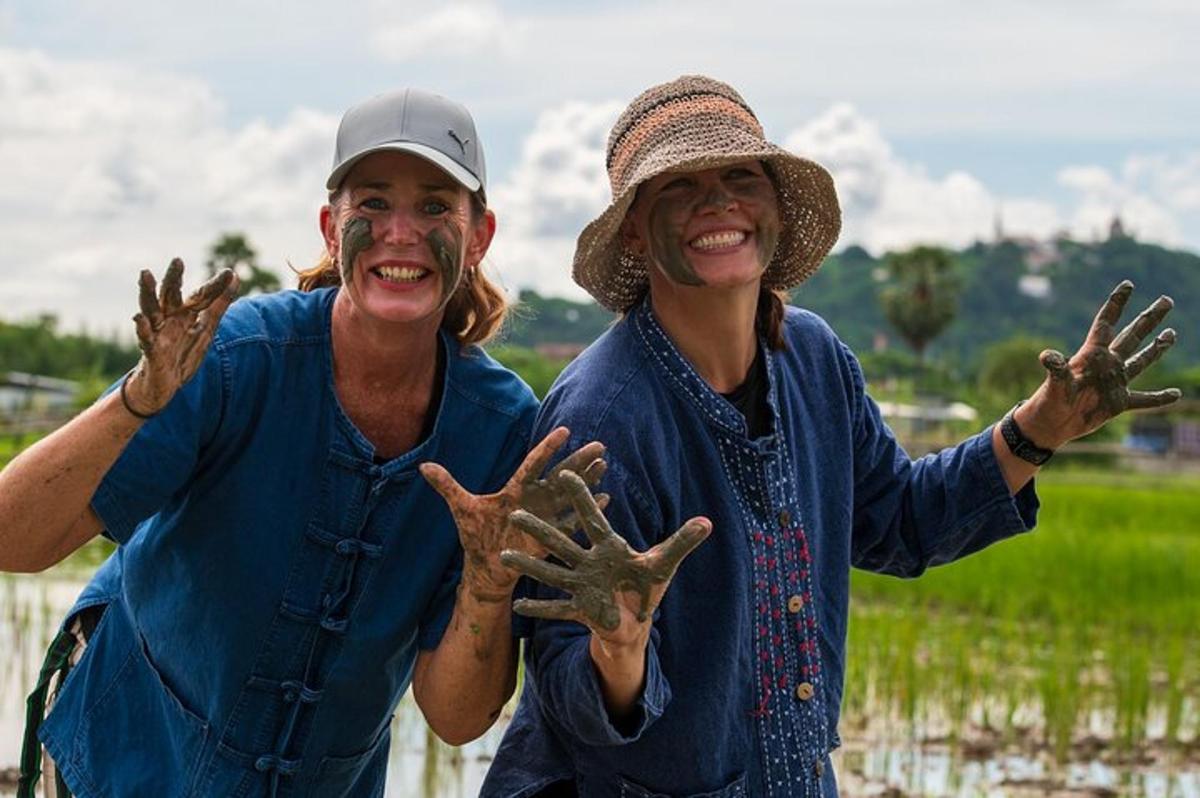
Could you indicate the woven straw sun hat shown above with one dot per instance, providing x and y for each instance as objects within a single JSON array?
[{"x": 689, "y": 124}]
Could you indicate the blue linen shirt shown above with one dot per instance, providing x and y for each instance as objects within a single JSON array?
[
  {"x": 744, "y": 669},
  {"x": 273, "y": 582}
]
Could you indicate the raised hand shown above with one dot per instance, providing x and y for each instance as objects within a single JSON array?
[
  {"x": 173, "y": 334},
  {"x": 614, "y": 589},
  {"x": 483, "y": 522},
  {"x": 1083, "y": 393}
]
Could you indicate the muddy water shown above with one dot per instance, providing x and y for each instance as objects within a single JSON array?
[{"x": 32, "y": 606}]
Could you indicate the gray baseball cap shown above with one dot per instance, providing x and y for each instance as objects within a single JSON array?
[{"x": 439, "y": 130}]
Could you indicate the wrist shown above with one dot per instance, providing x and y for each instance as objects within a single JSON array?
[
  {"x": 486, "y": 591},
  {"x": 620, "y": 652},
  {"x": 131, "y": 397},
  {"x": 1035, "y": 426}
]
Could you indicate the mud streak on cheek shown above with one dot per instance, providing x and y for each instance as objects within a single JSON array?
[
  {"x": 761, "y": 195},
  {"x": 446, "y": 244},
  {"x": 356, "y": 238},
  {"x": 666, "y": 243}
]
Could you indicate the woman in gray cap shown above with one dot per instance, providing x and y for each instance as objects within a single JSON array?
[
  {"x": 282, "y": 575},
  {"x": 722, "y": 409}
]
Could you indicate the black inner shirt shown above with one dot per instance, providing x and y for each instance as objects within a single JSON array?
[{"x": 750, "y": 398}]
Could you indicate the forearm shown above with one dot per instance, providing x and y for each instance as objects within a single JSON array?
[
  {"x": 44, "y": 491},
  {"x": 462, "y": 685},
  {"x": 621, "y": 671}
]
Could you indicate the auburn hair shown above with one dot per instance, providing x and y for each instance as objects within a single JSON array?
[{"x": 476, "y": 310}]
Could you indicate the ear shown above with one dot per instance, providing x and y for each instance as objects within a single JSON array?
[
  {"x": 328, "y": 233},
  {"x": 482, "y": 232},
  {"x": 630, "y": 237}
]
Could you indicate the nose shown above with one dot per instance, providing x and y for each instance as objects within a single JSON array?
[
  {"x": 716, "y": 197},
  {"x": 397, "y": 228}
]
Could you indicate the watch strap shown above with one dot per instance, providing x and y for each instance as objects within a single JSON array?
[{"x": 1020, "y": 445}]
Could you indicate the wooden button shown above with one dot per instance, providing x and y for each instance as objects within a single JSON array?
[
  {"x": 804, "y": 691},
  {"x": 785, "y": 518},
  {"x": 795, "y": 604},
  {"x": 819, "y": 768}
]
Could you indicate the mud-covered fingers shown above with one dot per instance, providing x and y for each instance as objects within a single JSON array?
[
  {"x": 667, "y": 555},
  {"x": 1143, "y": 359},
  {"x": 595, "y": 525},
  {"x": 594, "y": 472},
  {"x": 147, "y": 296},
  {"x": 170, "y": 293},
  {"x": 145, "y": 332},
  {"x": 1129, "y": 338},
  {"x": 545, "y": 572},
  {"x": 535, "y": 462},
  {"x": 1055, "y": 363},
  {"x": 446, "y": 486},
  {"x": 1105, "y": 322},
  {"x": 555, "y": 541},
  {"x": 555, "y": 610},
  {"x": 1141, "y": 400},
  {"x": 206, "y": 294},
  {"x": 581, "y": 460}
]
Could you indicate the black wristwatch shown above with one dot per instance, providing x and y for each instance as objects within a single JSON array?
[{"x": 1018, "y": 444}]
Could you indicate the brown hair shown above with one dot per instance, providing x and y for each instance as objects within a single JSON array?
[
  {"x": 768, "y": 321},
  {"x": 476, "y": 311}
]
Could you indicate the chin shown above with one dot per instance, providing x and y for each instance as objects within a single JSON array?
[{"x": 407, "y": 307}]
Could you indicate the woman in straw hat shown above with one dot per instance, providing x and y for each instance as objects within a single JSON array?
[
  {"x": 282, "y": 575},
  {"x": 718, "y": 404}
]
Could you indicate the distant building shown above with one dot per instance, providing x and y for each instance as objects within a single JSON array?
[
  {"x": 23, "y": 393},
  {"x": 1116, "y": 229}
]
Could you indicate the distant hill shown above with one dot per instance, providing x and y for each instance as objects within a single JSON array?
[{"x": 1048, "y": 289}]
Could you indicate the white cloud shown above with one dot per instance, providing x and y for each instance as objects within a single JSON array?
[
  {"x": 558, "y": 185},
  {"x": 1156, "y": 196},
  {"x": 457, "y": 28},
  {"x": 888, "y": 202},
  {"x": 109, "y": 170}
]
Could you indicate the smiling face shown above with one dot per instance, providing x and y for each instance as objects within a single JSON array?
[
  {"x": 404, "y": 232},
  {"x": 712, "y": 227}
]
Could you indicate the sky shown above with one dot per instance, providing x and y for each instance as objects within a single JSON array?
[{"x": 133, "y": 131}]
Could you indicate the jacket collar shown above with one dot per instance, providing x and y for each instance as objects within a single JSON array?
[{"x": 683, "y": 378}]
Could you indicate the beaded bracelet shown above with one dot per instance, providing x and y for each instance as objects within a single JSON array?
[{"x": 125, "y": 400}]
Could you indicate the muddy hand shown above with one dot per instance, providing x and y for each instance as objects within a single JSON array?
[
  {"x": 174, "y": 333},
  {"x": 483, "y": 522},
  {"x": 613, "y": 589},
  {"x": 1083, "y": 393}
]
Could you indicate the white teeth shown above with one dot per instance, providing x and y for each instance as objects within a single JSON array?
[
  {"x": 401, "y": 274},
  {"x": 725, "y": 238}
]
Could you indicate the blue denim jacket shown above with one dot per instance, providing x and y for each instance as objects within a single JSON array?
[
  {"x": 745, "y": 664},
  {"x": 274, "y": 583}
]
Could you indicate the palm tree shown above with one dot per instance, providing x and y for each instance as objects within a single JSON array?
[
  {"x": 920, "y": 295},
  {"x": 233, "y": 251}
]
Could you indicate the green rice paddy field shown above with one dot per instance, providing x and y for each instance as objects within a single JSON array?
[{"x": 1084, "y": 634}]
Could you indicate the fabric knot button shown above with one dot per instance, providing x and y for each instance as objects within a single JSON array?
[
  {"x": 804, "y": 691},
  {"x": 286, "y": 767},
  {"x": 344, "y": 547},
  {"x": 795, "y": 604}
]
